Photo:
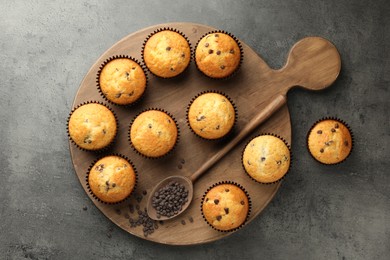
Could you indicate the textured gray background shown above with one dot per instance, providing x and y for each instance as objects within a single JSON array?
[{"x": 320, "y": 212}]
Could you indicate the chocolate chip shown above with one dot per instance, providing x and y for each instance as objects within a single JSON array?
[
  {"x": 219, "y": 218},
  {"x": 217, "y": 128},
  {"x": 168, "y": 48},
  {"x": 218, "y": 52},
  {"x": 346, "y": 143},
  {"x": 118, "y": 211},
  {"x": 144, "y": 192},
  {"x": 206, "y": 44},
  {"x": 104, "y": 131},
  {"x": 216, "y": 202},
  {"x": 216, "y": 35},
  {"x": 116, "y": 69},
  {"x": 107, "y": 183},
  {"x": 172, "y": 69},
  {"x": 131, "y": 93},
  {"x": 222, "y": 67},
  {"x": 169, "y": 121},
  {"x": 183, "y": 161},
  {"x": 336, "y": 125},
  {"x": 127, "y": 74},
  {"x": 85, "y": 208},
  {"x": 150, "y": 125},
  {"x": 118, "y": 95},
  {"x": 321, "y": 150},
  {"x": 109, "y": 235},
  {"x": 131, "y": 208},
  {"x": 183, "y": 55},
  {"x": 227, "y": 190},
  {"x": 133, "y": 68},
  {"x": 226, "y": 210},
  {"x": 100, "y": 167},
  {"x": 333, "y": 130},
  {"x": 262, "y": 159},
  {"x": 211, "y": 51},
  {"x": 86, "y": 120},
  {"x": 183, "y": 222},
  {"x": 249, "y": 163},
  {"x": 231, "y": 51},
  {"x": 191, "y": 219},
  {"x": 207, "y": 199},
  {"x": 87, "y": 140},
  {"x": 200, "y": 118},
  {"x": 242, "y": 202},
  {"x": 113, "y": 185},
  {"x": 127, "y": 216},
  {"x": 319, "y": 132},
  {"x": 278, "y": 162}
]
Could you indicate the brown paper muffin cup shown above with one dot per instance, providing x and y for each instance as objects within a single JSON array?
[
  {"x": 226, "y": 136},
  {"x": 249, "y": 206},
  {"x": 177, "y": 139},
  {"x": 340, "y": 121},
  {"x": 98, "y": 150},
  {"x": 239, "y": 46},
  {"x": 143, "y": 67},
  {"x": 95, "y": 161},
  {"x": 160, "y": 30},
  {"x": 291, "y": 158}
]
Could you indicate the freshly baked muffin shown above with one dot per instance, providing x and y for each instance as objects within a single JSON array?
[
  {"x": 112, "y": 179},
  {"x": 122, "y": 81},
  {"x": 211, "y": 115},
  {"x": 225, "y": 207},
  {"x": 330, "y": 141},
  {"x": 217, "y": 55},
  {"x": 167, "y": 54},
  {"x": 153, "y": 133},
  {"x": 92, "y": 126},
  {"x": 266, "y": 158}
]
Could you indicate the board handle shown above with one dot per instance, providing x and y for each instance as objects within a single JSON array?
[
  {"x": 313, "y": 63},
  {"x": 255, "y": 122}
]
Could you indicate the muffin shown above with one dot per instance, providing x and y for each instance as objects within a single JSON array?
[
  {"x": 218, "y": 55},
  {"x": 112, "y": 179},
  {"x": 211, "y": 115},
  {"x": 330, "y": 141},
  {"x": 153, "y": 133},
  {"x": 92, "y": 126},
  {"x": 122, "y": 81},
  {"x": 266, "y": 158},
  {"x": 225, "y": 207},
  {"x": 167, "y": 53}
]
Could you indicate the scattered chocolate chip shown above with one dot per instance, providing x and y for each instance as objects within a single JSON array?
[
  {"x": 172, "y": 69},
  {"x": 131, "y": 208},
  {"x": 191, "y": 219},
  {"x": 226, "y": 210},
  {"x": 127, "y": 74},
  {"x": 118, "y": 211},
  {"x": 207, "y": 199},
  {"x": 127, "y": 216},
  {"x": 216, "y": 35},
  {"x": 183, "y": 55},
  {"x": 278, "y": 162},
  {"x": 218, "y": 52},
  {"x": 144, "y": 192},
  {"x": 333, "y": 130},
  {"x": 161, "y": 222},
  {"x": 169, "y": 121},
  {"x": 149, "y": 225},
  {"x": 118, "y": 95},
  {"x": 222, "y": 67},
  {"x": 219, "y": 218},
  {"x": 182, "y": 161},
  {"x": 87, "y": 140},
  {"x": 183, "y": 222},
  {"x": 336, "y": 125},
  {"x": 168, "y": 48},
  {"x": 206, "y": 44},
  {"x": 262, "y": 159},
  {"x": 138, "y": 198},
  {"x": 249, "y": 163},
  {"x": 131, "y": 93},
  {"x": 85, "y": 208},
  {"x": 211, "y": 51},
  {"x": 227, "y": 190},
  {"x": 216, "y": 201},
  {"x": 113, "y": 185},
  {"x": 319, "y": 132},
  {"x": 321, "y": 150},
  {"x": 100, "y": 167},
  {"x": 107, "y": 183},
  {"x": 242, "y": 202},
  {"x": 200, "y": 118},
  {"x": 150, "y": 125},
  {"x": 217, "y": 128},
  {"x": 133, "y": 68},
  {"x": 231, "y": 51}
]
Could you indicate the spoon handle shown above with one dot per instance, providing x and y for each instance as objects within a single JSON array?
[{"x": 264, "y": 114}]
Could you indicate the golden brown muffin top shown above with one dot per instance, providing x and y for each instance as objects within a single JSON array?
[
  {"x": 211, "y": 115},
  {"x": 92, "y": 126},
  {"x": 330, "y": 141},
  {"x": 153, "y": 133},
  {"x": 167, "y": 54},
  {"x": 122, "y": 81},
  {"x": 225, "y": 207},
  {"x": 112, "y": 179},
  {"x": 266, "y": 158},
  {"x": 217, "y": 55}
]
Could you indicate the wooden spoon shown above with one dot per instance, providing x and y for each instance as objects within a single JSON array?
[{"x": 313, "y": 63}]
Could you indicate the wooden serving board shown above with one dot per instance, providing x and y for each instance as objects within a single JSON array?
[{"x": 251, "y": 89}]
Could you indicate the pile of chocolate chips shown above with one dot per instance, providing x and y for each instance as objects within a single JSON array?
[
  {"x": 169, "y": 200},
  {"x": 143, "y": 219}
]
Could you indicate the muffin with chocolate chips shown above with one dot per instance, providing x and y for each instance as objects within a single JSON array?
[
  {"x": 225, "y": 207},
  {"x": 266, "y": 158},
  {"x": 112, "y": 179},
  {"x": 122, "y": 81},
  {"x": 92, "y": 126},
  {"x": 167, "y": 53},
  {"x": 211, "y": 115},
  {"x": 330, "y": 141},
  {"x": 218, "y": 55},
  {"x": 153, "y": 133}
]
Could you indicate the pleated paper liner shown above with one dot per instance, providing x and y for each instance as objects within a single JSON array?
[
  {"x": 289, "y": 149},
  {"x": 177, "y": 139},
  {"x": 142, "y": 66},
  {"x": 93, "y": 150},
  {"x": 161, "y": 30},
  {"x": 239, "y": 46},
  {"x": 249, "y": 206},
  {"x": 93, "y": 164},
  {"x": 228, "y": 134},
  {"x": 340, "y": 121}
]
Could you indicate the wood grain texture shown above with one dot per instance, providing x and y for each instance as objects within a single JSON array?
[{"x": 313, "y": 63}]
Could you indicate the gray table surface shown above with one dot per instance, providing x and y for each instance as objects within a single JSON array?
[{"x": 320, "y": 212}]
